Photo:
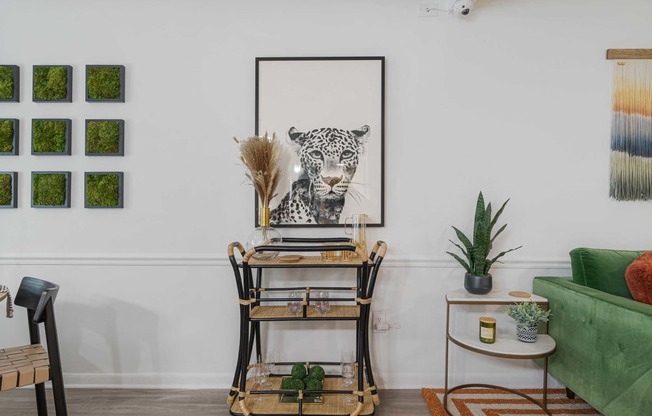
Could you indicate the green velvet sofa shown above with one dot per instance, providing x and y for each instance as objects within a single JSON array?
[{"x": 604, "y": 337}]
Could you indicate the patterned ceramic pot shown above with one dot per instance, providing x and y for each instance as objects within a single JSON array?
[{"x": 527, "y": 333}]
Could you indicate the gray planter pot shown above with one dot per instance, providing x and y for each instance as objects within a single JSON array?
[{"x": 477, "y": 285}]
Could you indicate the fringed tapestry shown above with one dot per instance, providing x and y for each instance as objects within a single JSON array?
[{"x": 631, "y": 131}]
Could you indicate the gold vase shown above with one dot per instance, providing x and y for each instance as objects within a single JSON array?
[{"x": 264, "y": 235}]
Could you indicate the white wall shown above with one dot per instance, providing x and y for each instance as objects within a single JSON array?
[{"x": 513, "y": 100}]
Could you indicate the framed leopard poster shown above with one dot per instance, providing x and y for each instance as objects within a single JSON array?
[{"x": 329, "y": 113}]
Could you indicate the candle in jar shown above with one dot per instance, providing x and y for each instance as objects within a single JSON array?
[{"x": 487, "y": 329}]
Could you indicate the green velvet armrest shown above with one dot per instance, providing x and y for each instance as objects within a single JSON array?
[{"x": 604, "y": 346}]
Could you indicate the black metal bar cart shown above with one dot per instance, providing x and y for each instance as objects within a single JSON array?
[{"x": 260, "y": 303}]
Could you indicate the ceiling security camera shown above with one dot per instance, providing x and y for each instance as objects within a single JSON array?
[{"x": 462, "y": 7}]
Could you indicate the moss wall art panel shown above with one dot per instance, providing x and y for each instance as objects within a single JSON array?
[
  {"x": 51, "y": 136},
  {"x": 105, "y": 83},
  {"x": 104, "y": 190},
  {"x": 10, "y": 83},
  {"x": 105, "y": 137},
  {"x": 52, "y": 83},
  {"x": 51, "y": 189},
  {"x": 8, "y": 188},
  {"x": 9, "y": 136}
]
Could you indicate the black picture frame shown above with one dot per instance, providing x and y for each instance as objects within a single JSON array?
[{"x": 326, "y": 100}]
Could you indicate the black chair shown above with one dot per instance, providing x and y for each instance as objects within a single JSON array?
[{"x": 32, "y": 364}]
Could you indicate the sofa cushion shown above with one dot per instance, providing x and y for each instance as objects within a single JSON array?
[
  {"x": 603, "y": 269},
  {"x": 638, "y": 277}
]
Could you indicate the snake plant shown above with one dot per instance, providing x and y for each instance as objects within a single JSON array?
[{"x": 476, "y": 253}]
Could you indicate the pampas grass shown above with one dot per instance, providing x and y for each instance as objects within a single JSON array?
[{"x": 261, "y": 156}]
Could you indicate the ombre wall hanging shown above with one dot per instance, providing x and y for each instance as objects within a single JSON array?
[{"x": 631, "y": 130}]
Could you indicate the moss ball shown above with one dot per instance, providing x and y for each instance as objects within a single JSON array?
[
  {"x": 317, "y": 372},
  {"x": 298, "y": 371},
  {"x": 292, "y": 384},
  {"x": 314, "y": 384}
]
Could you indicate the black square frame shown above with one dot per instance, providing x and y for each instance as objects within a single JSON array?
[
  {"x": 120, "y": 99},
  {"x": 14, "y": 189}
]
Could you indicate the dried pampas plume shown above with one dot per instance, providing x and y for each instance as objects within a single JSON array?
[{"x": 260, "y": 155}]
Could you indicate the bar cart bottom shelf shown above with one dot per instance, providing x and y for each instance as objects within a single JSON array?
[{"x": 332, "y": 404}]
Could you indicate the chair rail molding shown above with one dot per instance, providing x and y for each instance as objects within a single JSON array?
[{"x": 212, "y": 261}]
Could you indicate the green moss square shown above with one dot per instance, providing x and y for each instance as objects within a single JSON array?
[
  {"x": 103, "y": 190},
  {"x": 50, "y": 189},
  {"x": 104, "y": 137},
  {"x": 7, "y": 133},
  {"x": 50, "y": 136},
  {"x": 6, "y": 189},
  {"x": 104, "y": 83},
  {"x": 51, "y": 83},
  {"x": 7, "y": 82}
]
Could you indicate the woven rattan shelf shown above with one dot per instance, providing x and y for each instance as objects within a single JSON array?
[
  {"x": 332, "y": 404},
  {"x": 305, "y": 262},
  {"x": 350, "y": 304},
  {"x": 337, "y": 312}
]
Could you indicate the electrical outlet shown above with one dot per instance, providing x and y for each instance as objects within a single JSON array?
[
  {"x": 428, "y": 9},
  {"x": 379, "y": 321}
]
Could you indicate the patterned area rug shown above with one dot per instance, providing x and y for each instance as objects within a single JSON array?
[{"x": 494, "y": 402}]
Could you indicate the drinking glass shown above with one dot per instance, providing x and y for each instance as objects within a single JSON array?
[
  {"x": 322, "y": 304},
  {"x": 294, "y": 306},
  {"x": 268, "y": 366},
  {"x": 259, "y": 381},
  {"x": 347, "y": 364}
]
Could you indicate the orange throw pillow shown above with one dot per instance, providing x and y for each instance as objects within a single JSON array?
[{"x": 639, "y": 278}]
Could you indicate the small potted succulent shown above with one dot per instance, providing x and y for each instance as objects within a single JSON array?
[{"x": 527, "y": 316}]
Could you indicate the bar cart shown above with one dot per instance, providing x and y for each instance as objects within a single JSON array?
[{"x": 257, "y": 305}]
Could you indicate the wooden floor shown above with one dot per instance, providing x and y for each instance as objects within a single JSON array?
[{"x": 122, "y": 402}]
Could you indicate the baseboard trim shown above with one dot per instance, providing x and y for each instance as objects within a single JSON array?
[{"x": 195, "y": 381}]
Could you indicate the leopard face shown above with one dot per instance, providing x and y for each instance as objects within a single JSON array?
[{"x": 329, "y": 158}]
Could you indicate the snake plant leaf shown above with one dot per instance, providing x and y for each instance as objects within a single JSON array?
[
  {"x": 500, "y": 230},
  {"x": 500, "y": 211},
  {"x": 467, "y": 255},
  {"x": 461, "y": 261},
  {"x": 464, "y": 239},
  {"x": 479, "y": 214},
  {"x": 492, "y": 261}
]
